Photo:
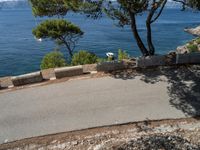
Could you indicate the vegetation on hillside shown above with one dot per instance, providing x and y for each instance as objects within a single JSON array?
[
  {"x": 53, "y": 60},
  {"x": 124, "y": 11},
  {"x": 84, "y": 57},
  {"x": 122, "y": 55}
]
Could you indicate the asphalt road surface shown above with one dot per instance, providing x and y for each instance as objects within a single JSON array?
[{"x": 82, "y": 104}]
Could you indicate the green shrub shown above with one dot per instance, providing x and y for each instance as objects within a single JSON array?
[
  {"x": 111, "y": 58},
  {"x": 198, "y": 40},
  {"x": 84, "y": 57},
  {"x": 101, "y": 60},
  {"x": 192, "y": 48},
  {"x": 122, "y": 55},
  {"x": 53, "y": 60}
]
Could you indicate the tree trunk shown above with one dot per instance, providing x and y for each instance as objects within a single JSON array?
[
  {"x": 68, "y": 48},
  {"x": 149, "y": 21},
  {"x": 70, "y": 53},
  {"x": 137, "y": 36},
  {"x": 149, "y": 34}
]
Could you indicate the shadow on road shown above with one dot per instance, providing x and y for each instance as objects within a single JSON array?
[{"x": 183, "y": 85}]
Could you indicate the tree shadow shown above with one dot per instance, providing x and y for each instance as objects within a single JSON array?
[
  {"x": 124, "y": 74},
  {"x": 183, "y": 85}
]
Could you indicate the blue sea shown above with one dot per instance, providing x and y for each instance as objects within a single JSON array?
[{"x": 20, "y": 53}]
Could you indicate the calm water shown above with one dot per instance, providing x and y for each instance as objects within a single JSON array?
[{"x": 21, "y": 53}]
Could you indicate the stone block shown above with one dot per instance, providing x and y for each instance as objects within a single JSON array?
[
  {"x": 192, "y": 58},
  {"x": 111, "y": 66},
  {"x": 6, "y": 82},
  {"x": 89, "y": 68},
  {"x": 30, "y": 78},
  {"x": 150, "y": 61},
  {"x": 68, "y": 71},
  {"x": 48, "y": 74}
]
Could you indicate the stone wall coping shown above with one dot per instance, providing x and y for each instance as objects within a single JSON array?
[
  {"x": 68, "y": 68},
  {"x": 38, "y": 73}
]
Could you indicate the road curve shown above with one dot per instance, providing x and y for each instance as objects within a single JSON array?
[{"x": 81, "y": 104}]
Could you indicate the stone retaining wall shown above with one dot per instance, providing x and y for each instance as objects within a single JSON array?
[{"x": 141, "y": 62}]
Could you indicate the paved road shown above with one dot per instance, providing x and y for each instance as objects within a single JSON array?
[{"x": 81, "y": 104}]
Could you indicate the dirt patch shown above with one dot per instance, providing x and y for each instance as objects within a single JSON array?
[{"x": 165, "y": 134}]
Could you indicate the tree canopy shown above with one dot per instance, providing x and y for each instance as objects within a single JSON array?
[
  {"x": 59, "y": 8},
  {"x": 53, "y": 7},
  {"x": 62, "y": 31},
  {"x": 53, "y": 60},
  {"x": 124, "y": 11}
]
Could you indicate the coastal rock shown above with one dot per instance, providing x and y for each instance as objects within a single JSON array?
[
  {"x": 182, "y": 49},
  {"x": 194, "y": 31},
  {"x": 189, "y": 47}
]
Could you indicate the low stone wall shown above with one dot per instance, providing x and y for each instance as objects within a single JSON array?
[
  {"x": 48, "y": 74},
  {"x": 89, "y": 68},
  {"x": 141, "y": 62},
  {"x": 6, "y": 82},
  {"x": 192, "y": 58},
  {"x": 167, "y": 60},
  {"x": 27, "y": 79},
  {"x": 150, "y": 61},
  {"x": 68, "y": 71},
  {"x": 111, "y": 66},
  {"x": 57, "y": 73}
]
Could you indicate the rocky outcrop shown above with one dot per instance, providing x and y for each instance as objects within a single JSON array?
[
  {"x": 194, "y": 31},
  {"x": 192, "y": 46},
  {"x": 182, "y": 49}
]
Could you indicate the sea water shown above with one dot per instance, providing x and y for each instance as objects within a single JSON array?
[{"x": 20, "y": 53}]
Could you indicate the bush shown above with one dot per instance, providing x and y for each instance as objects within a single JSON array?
[
  {"x": 53, "y": 60},
  {"x": 192, "y": 48},
  {"x": 122, "y": 55},
  {"x": 84, "y": 57},
  {"x": 198, "y": 40},
  {"x": 101, "y": 60}
]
